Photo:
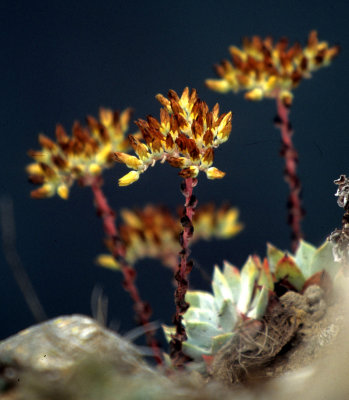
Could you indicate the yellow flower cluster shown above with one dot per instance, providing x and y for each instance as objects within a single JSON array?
[
  {"x": 153, "y": 232},
  {"x": 267, "y": 70},
  {"x": 185, "y": 137},
  {"x": 82, "y": 156}
]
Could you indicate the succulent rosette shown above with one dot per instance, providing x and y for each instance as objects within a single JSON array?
[
  {"x": 212, "y": 318},
  {"x": 308, "y": 265}
]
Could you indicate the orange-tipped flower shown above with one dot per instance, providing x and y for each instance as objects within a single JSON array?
[
  {"x": 185, "y": 137},
  {"x": 264, "y": 69},
  {"x": 81, "y": 156}
]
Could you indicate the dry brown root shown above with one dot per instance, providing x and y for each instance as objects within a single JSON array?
[{"x": 257, "y": 345}]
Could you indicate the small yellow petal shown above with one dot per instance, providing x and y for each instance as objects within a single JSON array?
[
  {"x": 95, "y": 169},
  {"x": 214, "y": 173},
  {"x": 219, "y": 85},
  {"x": 131, "y": 161},
  {"x": 107, "y": 261},
  {"x": 103, "y": 153},
  {"x": 129, "y": 178},
  {"x": 63, "y": 191},
  {"x": 34, "y": 169},
  {"x": 131, "y": 218},
  {"x": 271, "y": 83},
  {"x": 44, "y": 191},
  {"x": 106, "y": 116},
  {"x": 255, "y": 94}
]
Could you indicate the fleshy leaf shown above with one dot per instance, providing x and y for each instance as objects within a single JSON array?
[
  {"x": 287, "y": 268},
  {"x": 304, "y": 256},
  {"x": 195, "y": 352},
  {"x": 201, "y": 300},
  {"x": 220, "y": 287},
  {"x": 259, "y": 304},
  {"x": 200, "y": 333},
  {"x": 274, "y": 256},
  {"x": 201, "y": 314},
  {"x": 323, "y": 260},
  {"x": 249, "y": 274},
  {"x": 265, "y": 277},
  {"x": 221, "y": 340},
  {"x": 227, "y": 316},
  {"x": 232, "y": 275},
  {"x": 322, "y": 279}
]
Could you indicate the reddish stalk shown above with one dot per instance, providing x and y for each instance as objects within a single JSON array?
[
  {"x": 289, "y": 153},
  {"x": 142, "y": 309},
  {"x": 182, "y": 274}
]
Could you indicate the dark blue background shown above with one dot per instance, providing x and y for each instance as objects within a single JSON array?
[{"x": 63, "y": 60}]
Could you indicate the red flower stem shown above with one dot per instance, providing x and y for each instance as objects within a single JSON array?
[
  {"x": 142, "y": 309},
  {"x": 289, "y": 153},
  {"x": 182, "y": 274}
]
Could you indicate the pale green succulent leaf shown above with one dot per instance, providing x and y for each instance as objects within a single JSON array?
[
  {"x": 249, "y": 274},
  {"x": 274, "y": 255},
  {"x": 220, "y": 288},
  {"x": 232, "y": 275},
  {"x": 227, "y": 316},
  {"x": 287, "y": 268},
  {"x": 259, "y": 304},
  {"x": 219, "y": 341},
  {"x": 304, "y": 256},
  {"x": 323, "y": 260},
  {"x": 200, "y": 314},
  {"x": 200, "y": 299},
  {"x": 194, "y": 351},
  {"x": 265, "y": 277},
  {"x": 200, "y": 333}
]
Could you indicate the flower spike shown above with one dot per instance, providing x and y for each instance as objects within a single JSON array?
[
  {"x": 185, "y": 137},
  {"x": 267, "y": 70},
  {"x": 82, "y": 156}
]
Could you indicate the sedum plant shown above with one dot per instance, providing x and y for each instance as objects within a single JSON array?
[
  {"x": 213, "y": 319},
  {"x": 186, "y": 136},
  {"x": 264, "y": 69},
  {"x": 83, "y": 157},
  {"x": 307, "y": 266}
]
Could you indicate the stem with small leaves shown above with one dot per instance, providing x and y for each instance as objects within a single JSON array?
[
  {"x": 142, "y": 309},
  {"x": 289, "y": 153},
  {"x": 182, "y": 274}
]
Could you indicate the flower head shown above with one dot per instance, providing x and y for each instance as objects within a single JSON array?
[
  {"x": 81, "y": 156},
  {"x": 153, "y": 232},
  {"x": 185, "y": 137},
  {"x": 265, "y": 69}
]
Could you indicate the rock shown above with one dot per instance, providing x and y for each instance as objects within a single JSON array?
[{"x": 55, "y": 347}]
